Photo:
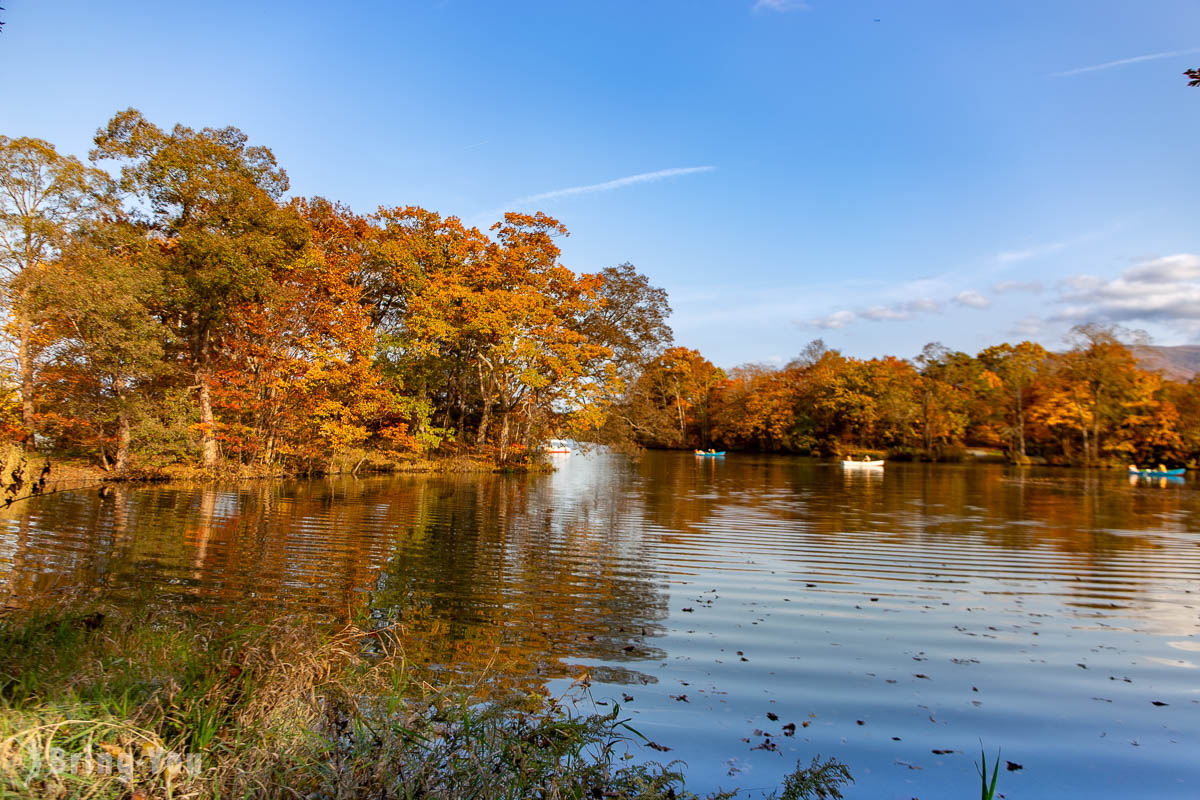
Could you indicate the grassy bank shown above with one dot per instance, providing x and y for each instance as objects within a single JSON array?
[
  {"x": 25, "y": 473},
  {"x": 109, "y": 704}
]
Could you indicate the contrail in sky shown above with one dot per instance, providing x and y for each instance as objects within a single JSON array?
[
  {"x": 619, "y": 183},
  {"x": 1122, "y": 62}
]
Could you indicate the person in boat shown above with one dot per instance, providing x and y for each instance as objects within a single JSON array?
[{"x": 1162, "y": 468}]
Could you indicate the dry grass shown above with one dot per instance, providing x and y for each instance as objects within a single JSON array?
[{"x": 114, "y": 705}]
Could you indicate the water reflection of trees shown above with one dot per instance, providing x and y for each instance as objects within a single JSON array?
[
  {"x": 538, "y": 569},
  {"x": 569, "y": 566},
  {"x": 528, "y": 569},
  {"x": 1085, "y": 535}
]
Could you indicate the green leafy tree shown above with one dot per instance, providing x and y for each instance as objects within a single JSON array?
[
  {"x": 44, "y": 197},
  {"x": 211, "y": 200}
]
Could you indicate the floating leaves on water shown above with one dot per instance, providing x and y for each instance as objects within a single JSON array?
[
  {"x": 1157, "y": 703},
  {"x": 662, "y": 748},
  {"x": 922, "y": 676},
  {"x": 771, "y": 715},
  {"x": 789, "y": 729},
  {"x": 1013, "y": 766}
]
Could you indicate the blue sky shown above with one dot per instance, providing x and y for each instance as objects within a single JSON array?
[{"x": 879, "y": 174}]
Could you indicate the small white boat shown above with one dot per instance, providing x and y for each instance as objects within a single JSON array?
[{"x": 863, "y": 464}]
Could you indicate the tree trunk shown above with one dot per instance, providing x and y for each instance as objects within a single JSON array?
[
  {"x": 121, "y": 462},
  {"x": 504, "y": 415},
  {"x": 1020, "y": 424},
  {"x": 202, "y": 372},
  {"x": 481, "y": 434},
  {"x": 679, "y": 408},
  {"x": 25, "y": 364},
  {"x": 209, "y": 452}
]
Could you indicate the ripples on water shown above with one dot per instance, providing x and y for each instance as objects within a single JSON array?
[{"x": 897, "y": 613}]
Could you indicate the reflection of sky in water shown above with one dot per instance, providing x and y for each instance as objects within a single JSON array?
[{"x": 897, "y": 612}]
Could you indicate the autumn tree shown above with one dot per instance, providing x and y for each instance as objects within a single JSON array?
[
  {"x": 630, "y": 319},
  {"x": 1149, "y": 428},
  {"x": 1096, "y": 378},
  {"x": 1015, "y": 369},
  {"x": 211, "y": 199},
  {"x": 1185, "y": 399},
  {"x": 98, "y": 338},
  {"x": 421, "y": 285},
  {"x": 44, "y": 198},
  {"x": 756, "y": 407},
  {"x": 675, "y": 395},
  {"x": 947, "y": 385},
  {"x": 525, "y": 312}
]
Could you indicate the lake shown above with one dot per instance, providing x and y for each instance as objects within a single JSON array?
[{"x": 897, "y": 619}]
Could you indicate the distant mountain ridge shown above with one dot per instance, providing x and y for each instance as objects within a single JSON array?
[{"x": 1180, "y": 363}]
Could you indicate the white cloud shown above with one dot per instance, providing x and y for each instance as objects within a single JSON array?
[
  {"x": 780, "y": 5},
  {"x": 897, "y": 312},
  {"x": 884, "y": 313},
  {"x": 1017, "y": 286},
  {"x": 971, "y": 299},
  {"x": 1164, "y": 290},
  {"x": 1183, "y": 267},
  {"x": 834, "y": 321},
  {"x": 1123, "y": 61}
]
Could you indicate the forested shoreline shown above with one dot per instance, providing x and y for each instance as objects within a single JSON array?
[
  {"x": 183, "y": 310},
  {"x": 168, "y": 304},
  {"x": 1089, "y": 405}
]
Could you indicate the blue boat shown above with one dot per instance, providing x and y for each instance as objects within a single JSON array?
[
  {"x": 1157, "y": 473},
  {"x": 710, "y": 453}
]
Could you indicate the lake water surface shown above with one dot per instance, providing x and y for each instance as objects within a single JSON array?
[{"x": 897, "y": 619}]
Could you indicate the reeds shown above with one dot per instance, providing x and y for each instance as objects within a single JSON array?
[{"x": 987, "y": 791}]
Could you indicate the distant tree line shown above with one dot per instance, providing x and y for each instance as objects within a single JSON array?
[{"x": 1089, "y": 404}]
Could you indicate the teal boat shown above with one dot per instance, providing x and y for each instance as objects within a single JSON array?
[
  {"x": 1157, "y": 473},
  {"x": 710, "y": 453}
]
